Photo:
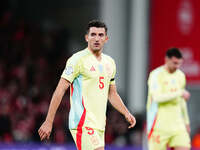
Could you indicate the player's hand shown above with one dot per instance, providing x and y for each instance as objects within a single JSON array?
[
  {"x": 131, "y": 119},
  {"x": 45, "y": 130},
  {"x": 186, "y": 95}
]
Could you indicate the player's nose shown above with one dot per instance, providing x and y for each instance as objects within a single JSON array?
[{"x": 97, "y": 38}]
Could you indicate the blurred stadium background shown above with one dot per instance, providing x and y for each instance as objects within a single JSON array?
[{"x": 37, "y": 37}]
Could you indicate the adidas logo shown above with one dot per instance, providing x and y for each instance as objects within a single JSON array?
[{"x": 92, "y": 68}]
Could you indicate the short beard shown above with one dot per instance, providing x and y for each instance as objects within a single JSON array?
[{"x": 95, "y": 50}]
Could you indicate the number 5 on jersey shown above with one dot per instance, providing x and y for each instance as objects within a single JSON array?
[{"x": 101, "y": 84}]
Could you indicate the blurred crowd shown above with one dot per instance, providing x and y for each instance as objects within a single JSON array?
[{"x": 31, "y": 62}]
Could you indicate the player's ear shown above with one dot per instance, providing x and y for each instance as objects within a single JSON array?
[
  {"x": 86, "y": 37},
  {"x": 107, "y": 38},
  {"x": 166, "y": 59}
]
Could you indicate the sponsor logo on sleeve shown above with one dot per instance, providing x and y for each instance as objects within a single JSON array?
[{"x": 68, "y": 70}]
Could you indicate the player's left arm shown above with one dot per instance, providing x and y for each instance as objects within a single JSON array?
[
  {"x": 185, "y": 114},
  {"x": 118, "y": 104},
  {"x": 183, "y": 104}
]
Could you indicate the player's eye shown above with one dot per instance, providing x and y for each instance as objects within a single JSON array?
[
  {"x": 101, "y": 34},
  {"x": 93, "y": 34}
]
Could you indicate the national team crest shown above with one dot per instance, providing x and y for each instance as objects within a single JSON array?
[{"x": 109, "y": 70}]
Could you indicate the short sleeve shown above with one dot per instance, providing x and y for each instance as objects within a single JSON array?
[
  {"x": 72, "y": 69},
  {"x": 112, "y": 80}
]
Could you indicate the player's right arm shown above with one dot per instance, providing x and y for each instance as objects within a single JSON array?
[
  {"x": 156, "y": 90},
  {"x": 45, "y": 129},
  {"x": 70, "y": 72}
]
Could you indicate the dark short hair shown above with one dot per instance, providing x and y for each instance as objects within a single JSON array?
[
  {"x": 96, "y": 23},
  {"x": 174, "y": 52}
]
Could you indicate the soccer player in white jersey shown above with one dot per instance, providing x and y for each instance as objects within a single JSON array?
[
  {"x": 90, "y": 74},
  {"x": 167, "y": 116}
]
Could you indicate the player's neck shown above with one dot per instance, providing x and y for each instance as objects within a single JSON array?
[
  {"x": 168, "y": 69},
  {"x": 96, "y": 53}
]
